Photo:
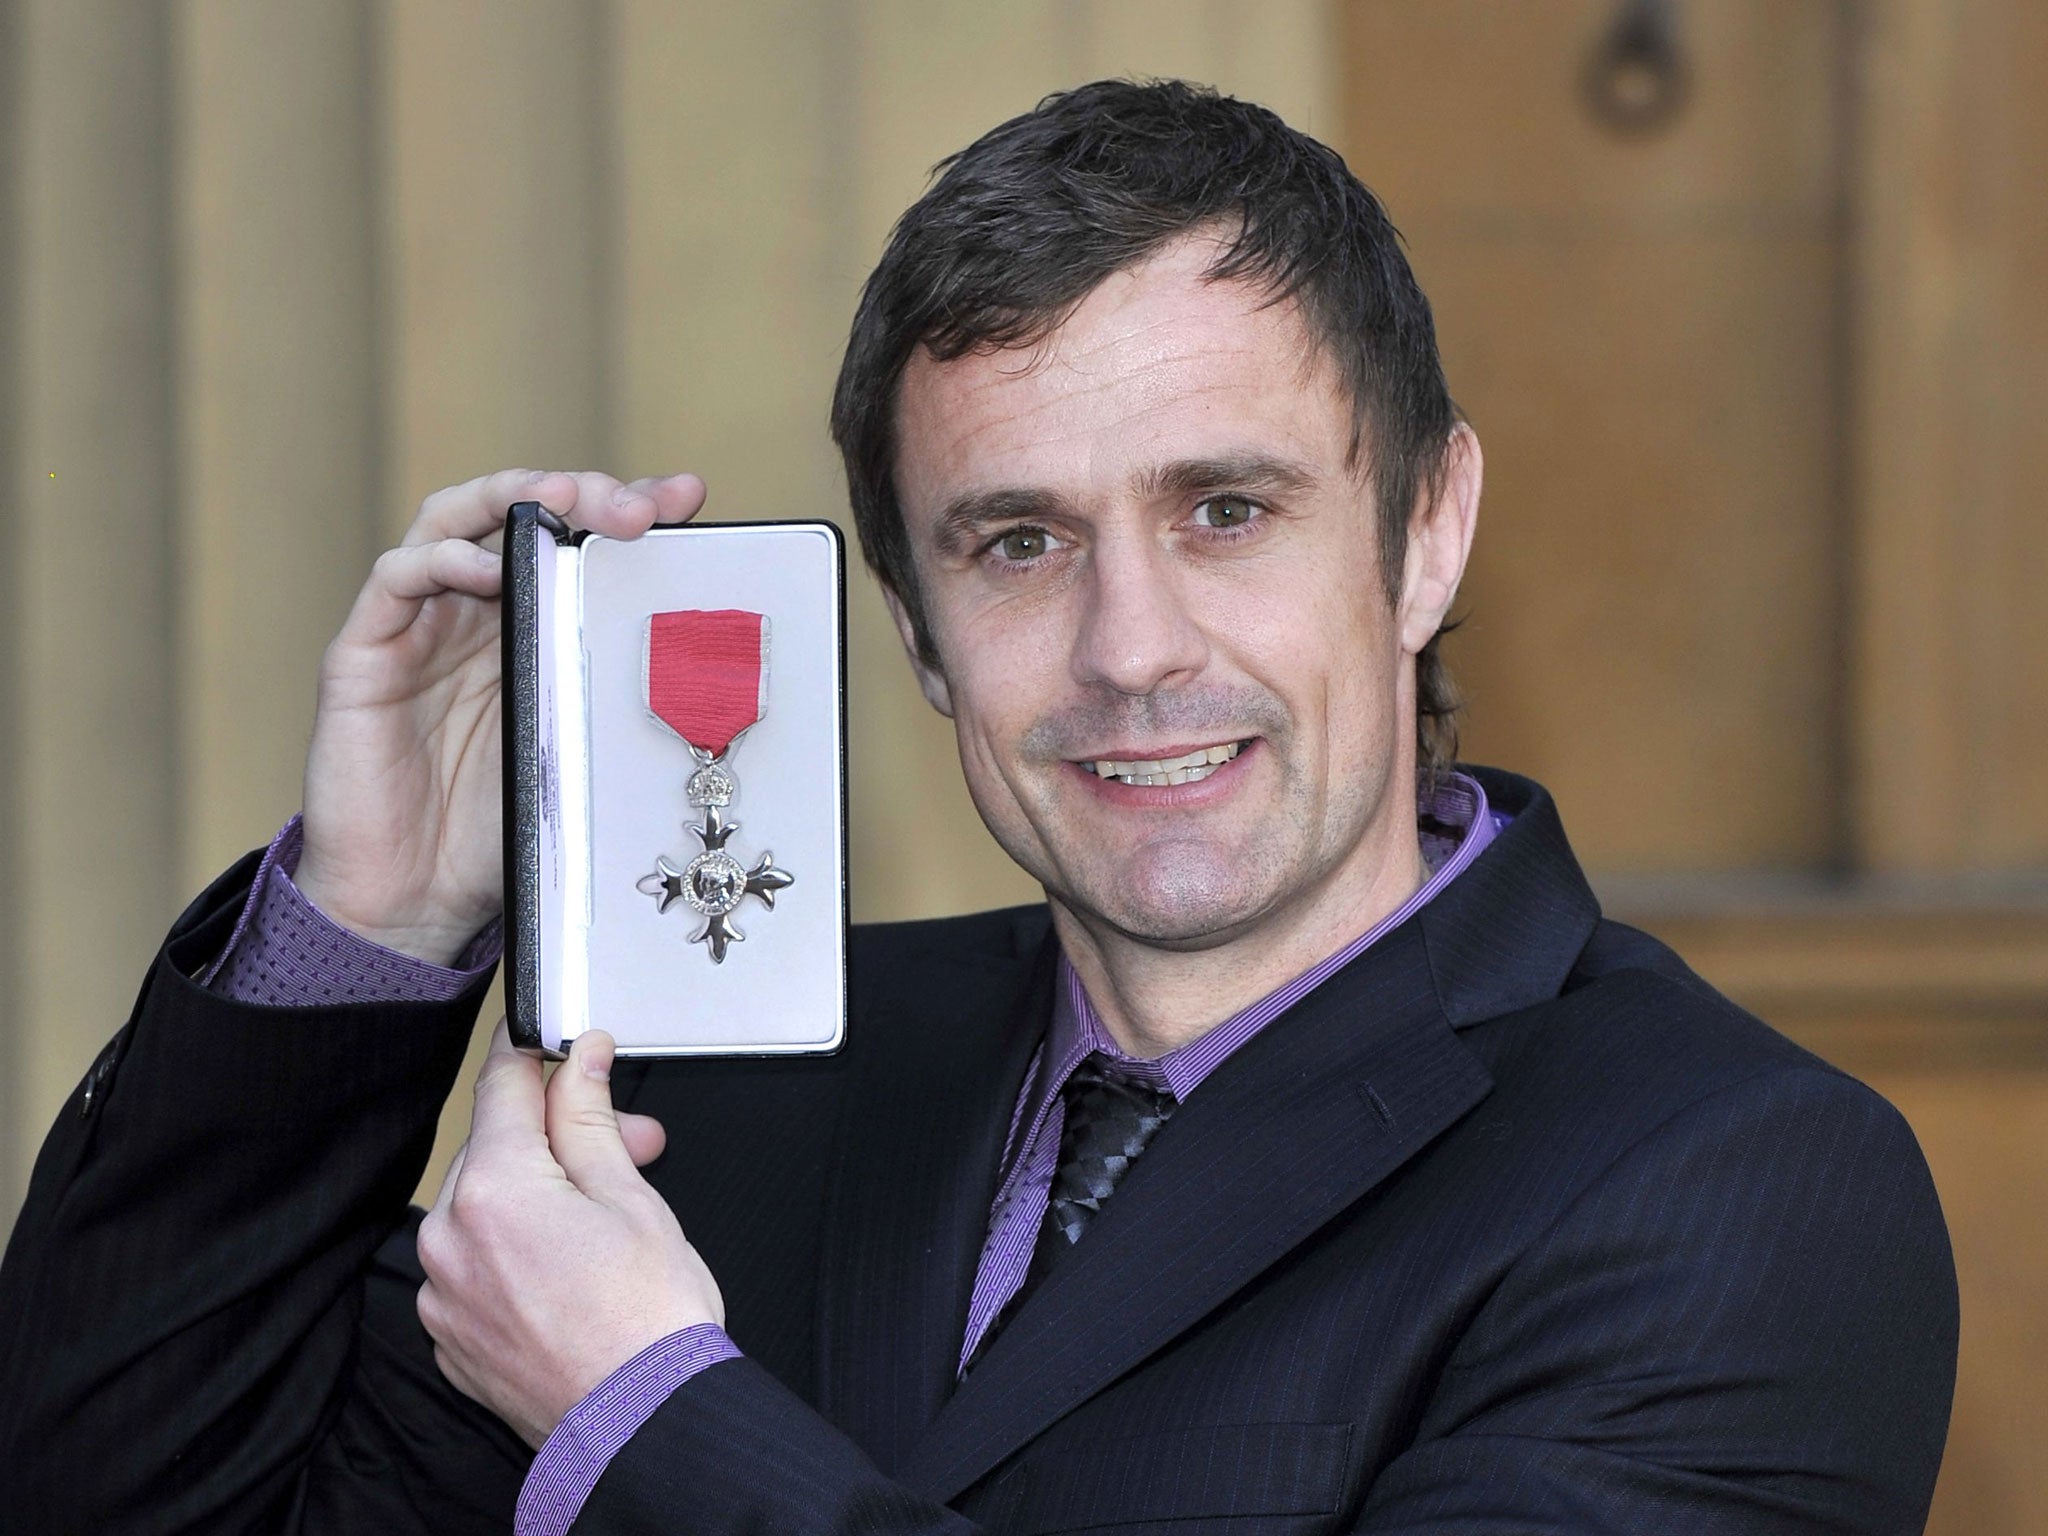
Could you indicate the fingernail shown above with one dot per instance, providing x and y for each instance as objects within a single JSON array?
[
  {"x": 535, "y": 476},
  {"x": 487, "y": 556}
]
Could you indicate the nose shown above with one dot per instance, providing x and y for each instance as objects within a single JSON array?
[{"x": 1139, "y": 631}]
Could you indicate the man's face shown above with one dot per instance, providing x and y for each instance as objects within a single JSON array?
[{"x": 1152, "y": 581}]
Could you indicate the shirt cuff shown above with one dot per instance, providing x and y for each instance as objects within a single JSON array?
[
  {"x": 585, "y": 1442},
  {"x": 286, "y": 953}
]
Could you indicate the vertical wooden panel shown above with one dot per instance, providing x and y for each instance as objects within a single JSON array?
[
  {"x": 1282, "y": 54},
  {"x": 92, "y": 504},
  {"x": 16, "y": 1029},
  {"x": 496, "y": 223},
  {"x": 276, "y": 395},
  {"x": 1644, "y": 332},
  {"x": 1286, "y": 54},
  {"x": 729, "y": 305},
  {"x": 1150, "y": 37},
  {"x": 1952, "y": 466},
  {"x": 930, "y": 77},
  {"x": 1986, "y": 1139}
]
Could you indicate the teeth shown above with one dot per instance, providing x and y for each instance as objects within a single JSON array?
[{"x": 1153, "y": 772}]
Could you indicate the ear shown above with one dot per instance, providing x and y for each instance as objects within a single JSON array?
[
  {"x": 929, "y": 678},
  {"x": 1439, "y": 540}
]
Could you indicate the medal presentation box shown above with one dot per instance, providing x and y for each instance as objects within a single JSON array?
[{"x": 675, "y": 787}]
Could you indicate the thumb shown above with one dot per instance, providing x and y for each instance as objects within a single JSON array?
[
  {"x": 583, "y": 1130},
  {"x": 644, "y": 1136}
]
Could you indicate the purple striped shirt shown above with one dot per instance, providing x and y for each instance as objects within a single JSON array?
[
  {"x": 285, "y": 952},
  {"x": 585, "y": 1442}
]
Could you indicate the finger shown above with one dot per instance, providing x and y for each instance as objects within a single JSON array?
[
  {"x": 645, "y": 1137},
  {"x": 427, "y": 1304},
  {"x": 677, "y": 498},
  {"x": 477, "y": 507},
  {"x": 627, "y": 510},
  {"x": 612, "y": 508},
  {"x": 449, "y": 1367},
  {"x": 405, "y": 577},
  {"x": 509, "y": 1117},
  {"x": 582, "y": 1129}
]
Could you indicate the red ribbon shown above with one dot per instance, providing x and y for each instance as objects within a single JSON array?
[{"x": 706, "y": 673}]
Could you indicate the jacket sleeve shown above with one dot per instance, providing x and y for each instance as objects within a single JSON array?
[
  {"x": 203, "y": 1326},
  {"x": 733, "y": 1450},
  {"x": 1746, "y": 1324}
]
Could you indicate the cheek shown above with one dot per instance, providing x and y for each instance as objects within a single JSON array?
[
  {"x": 1365, "y": 705},
  {"x": 1007, "y": 656},
  {"x": 1002, "y": 677},
  {"x": 1330, "y": 651}
]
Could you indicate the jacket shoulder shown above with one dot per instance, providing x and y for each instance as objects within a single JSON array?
[
  {"x": 1636, "y": 1038},
  {"x": 1628, "y": 983}
]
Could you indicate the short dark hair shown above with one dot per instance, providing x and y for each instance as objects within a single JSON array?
[{"x": 1020, "y": 226}]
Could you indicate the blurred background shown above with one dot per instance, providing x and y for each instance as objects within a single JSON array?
[{"x": 1747, "y": 299}]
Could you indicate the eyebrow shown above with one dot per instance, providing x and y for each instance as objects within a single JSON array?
[
  {"x": 1227, "y": 472},
  {"x": 968, "y": 515}
]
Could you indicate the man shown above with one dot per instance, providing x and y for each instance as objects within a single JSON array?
[{"x": 1315, "y": 1159}]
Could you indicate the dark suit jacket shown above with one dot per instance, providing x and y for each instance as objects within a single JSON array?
[{"x": 1514, "y": 1225}]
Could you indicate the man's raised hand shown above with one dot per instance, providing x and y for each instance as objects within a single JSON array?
[
  {"x": 550, "y": 1261},
  {"x": 402, "y": 813}
]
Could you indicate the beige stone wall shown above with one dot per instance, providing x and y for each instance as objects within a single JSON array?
[{"x": 270, "y": 272}]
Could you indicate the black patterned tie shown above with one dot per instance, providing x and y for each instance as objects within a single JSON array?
[{"x": 1109, "y": 1119}]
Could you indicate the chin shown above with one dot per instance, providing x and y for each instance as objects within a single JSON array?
[{"x": 1175, "y": 902}]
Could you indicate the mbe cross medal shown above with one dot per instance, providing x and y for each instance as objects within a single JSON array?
[{"x": 706, "y": 676}]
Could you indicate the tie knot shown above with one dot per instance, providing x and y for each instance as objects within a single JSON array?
[
  {"x": 1103, "y": 1084},
  {"x": 1110, "y": 1116}
]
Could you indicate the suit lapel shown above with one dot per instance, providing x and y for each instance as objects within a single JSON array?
[
  {"x": 916, "y": 1179},
  {"x": 1306, "y": 1119}
]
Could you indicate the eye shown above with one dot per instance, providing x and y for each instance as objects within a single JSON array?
[
  {"x": 1226, "y": 512},
  {"x": 1022, "y": 544}
]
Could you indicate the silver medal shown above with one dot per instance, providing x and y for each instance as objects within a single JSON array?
[{"x": 714, "y": 883}]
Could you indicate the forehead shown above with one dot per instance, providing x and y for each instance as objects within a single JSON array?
[{"x": 1158, "y": 363}]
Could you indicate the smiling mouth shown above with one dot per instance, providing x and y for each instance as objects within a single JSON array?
[{"x": 1189, "y": 768}]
